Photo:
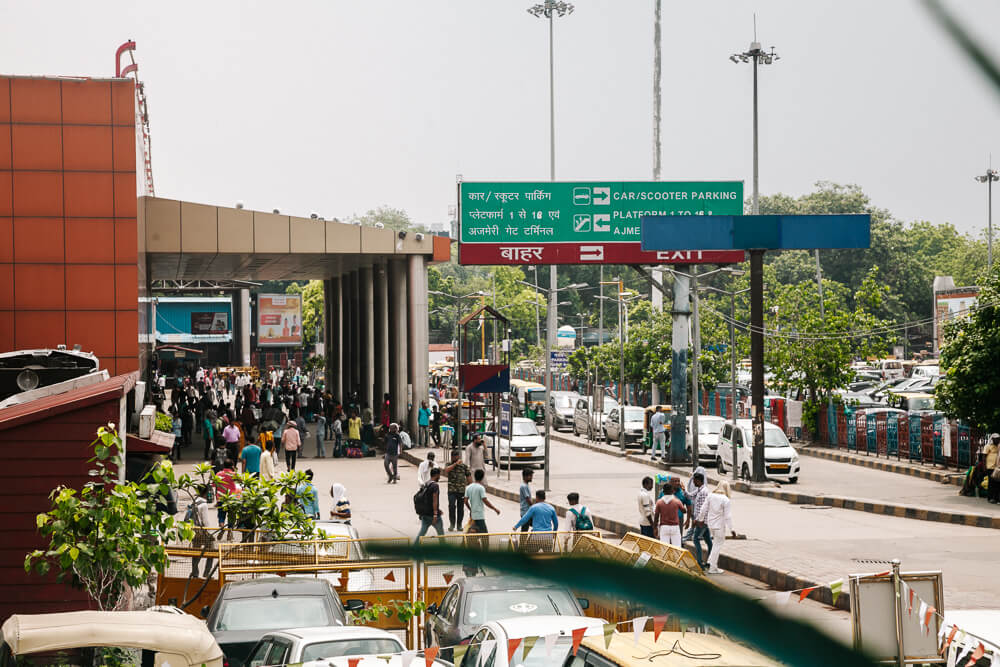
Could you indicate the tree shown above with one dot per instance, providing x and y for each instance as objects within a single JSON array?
[
  {"x": 312, "y": 309},
  {"x": 389, "y": 217},
  {"x": 108, "y": 536},
  {"x": 970, "y": 357}
]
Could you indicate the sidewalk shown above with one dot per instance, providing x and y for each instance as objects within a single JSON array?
[
  {"x": 900, "y": 466},
  {"x": 788, "y": 546},
  {"x": 836, "y": 484}
]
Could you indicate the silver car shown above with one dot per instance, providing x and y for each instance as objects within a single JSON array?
[{"x": 563, "y": 407}]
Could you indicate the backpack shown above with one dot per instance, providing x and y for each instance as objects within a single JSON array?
[
  {"x": 422, "y": 500},
  {"x": 583, "y": 521}
]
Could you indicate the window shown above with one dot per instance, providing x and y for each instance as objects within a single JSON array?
[
  {"x": 333, "y": 649},
  {"x": 448, "y": 600},
  {"x": 259, "y": 656},
  {"x": 485, "y": 606},
  {"x": 274, "y": 613},
  {"x": 452, "y": 608},
  {"x": 739, "y": 437},
  {"x": 727, "y": 432},
  {"x": 277, "y": 654},
  {"x": 775, "y": 437},
  {"x": 470, "y": 657},
  {"x": 524, "y": 428},
  {"x": 709, "y": 426}
]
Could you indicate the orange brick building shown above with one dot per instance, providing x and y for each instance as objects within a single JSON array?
[{"x": 70, "y": 267}]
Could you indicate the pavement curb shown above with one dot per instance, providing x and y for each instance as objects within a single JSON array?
[
  {"x": 777, "y": 579},
  {"x": 830, "y": 454},
  {"x": 885, "y": 509}
]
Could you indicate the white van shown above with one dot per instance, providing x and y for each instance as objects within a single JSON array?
[{"x": 781, "y": 461}]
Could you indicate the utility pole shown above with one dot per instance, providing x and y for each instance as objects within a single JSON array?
[
  {"x": 757, "y": 56},
  {"x": 989, "y": 178},
  {"x": 696, "y": 347}
]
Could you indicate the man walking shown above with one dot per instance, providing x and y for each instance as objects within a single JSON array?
[
  {"x": 393, "y": 445},
  {"x": 424, "y": 469},
  {"x": 657, "y": 422},
  {"x": 250, "y": 458},
  {"x": 475, "y": 499},
  {"x": 432, "y": 517},
  {"x": 667, "y": 517},
  {"x": 475, "y": 454},
  {"x": 646, "y": 505},
  {"x": 290, "y": 442},
  {"x": 309, "y": 497},
  {"x": 423, "y": 424},
  {"x": 542, "y": 517},
  {"x": 700, "y": 531},
  {"x": 436, "y": 426},
  {"x": 459, "y": 477},
  {"x": 524, "y": 494},
  {"x": 320, "y": 413}
]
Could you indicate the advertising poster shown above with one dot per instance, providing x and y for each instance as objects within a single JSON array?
[
  {"x": 950, "y": 305},
  {"x": 279, "y": 320},
  {"x": 209, "y": 323}
]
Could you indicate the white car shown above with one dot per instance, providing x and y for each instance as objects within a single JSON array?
[
  {"x": 634, "y": 423},
  {"x": 709, "y": 430},
  {"x": 781, "y": 461},
  {"x": 304, "y": 644},
  {"x": 394, "y": 660},
  {"x": 500, "y": 632},
  {"x": 586, "y": 422},
  {"x": 525, "y": 443}
]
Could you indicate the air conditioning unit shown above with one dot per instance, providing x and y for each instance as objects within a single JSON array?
[{"x": 147, "y": 420}]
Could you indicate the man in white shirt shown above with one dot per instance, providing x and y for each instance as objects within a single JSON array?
[
  {"x": 646, "y": 504},
  {"x": 424, "y": 470},
  {"x": 657, "y": 422},
  {"x": 717, "y": 515}
]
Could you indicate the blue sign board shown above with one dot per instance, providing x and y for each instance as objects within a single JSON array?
[
  {"x": 559, "y": 359},
  {"x": 755, "y": 232},
  {"x": 505, "y": 420}
]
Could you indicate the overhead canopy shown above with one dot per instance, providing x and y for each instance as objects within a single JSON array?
[{"x": 177, "y": 634}]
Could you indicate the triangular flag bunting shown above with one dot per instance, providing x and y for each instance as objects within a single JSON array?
[
  {"x": 966, "y": 647},
  {"x": 448, "y": 576},
  {"x": 609, "y": 631},
  {"x": 883, "y": 574},
  {"x": 922, "y": 613},
  {"x": 804, "y": 593},
  {"x": 911, "y": 596},
  {"x": 353, "y": 662},
  {"x": 835, "y": 590},
  {"x": 550, "y": 642},
  {"x": 658, "y": 623},
  {"x": 927, "y": 618},
  {"x": 978, "y": 653},
  {"x": 406, "y": 657},
  {"x": 390, "y": 576},
  {"x": 782, "y": 597},
  {"x": 951, "y": 636},
  {"x": 429, "y": 654},
  {"x": 458, "y": 653},
  {"x": 638, "y": 625},
  {"x": 512, "y": 645},
  {"x": 577, "y": 638},
  {"x": 529, "y": 643}
]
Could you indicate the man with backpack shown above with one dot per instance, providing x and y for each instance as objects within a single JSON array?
[
  {"x": 577, "y": 518},
  {"x": 427, "y": 507}
]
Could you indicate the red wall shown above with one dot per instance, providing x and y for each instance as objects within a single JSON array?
[
  {"x": 68, "y": 236},
  {"x": 41, "y": 456}
]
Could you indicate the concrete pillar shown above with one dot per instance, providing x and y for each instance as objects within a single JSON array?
[
  {"x": 381, "y": 335},
  {"x": 345, "y": 337},
  {"x": 419, "y": 336},
  {"x": 355, "y": 333},
  {"x": 331, "y": 300},
  {"x": 398, "y": 376},
  {"x": 367, "y": 338},
  {"x": 243, "y": 298}
]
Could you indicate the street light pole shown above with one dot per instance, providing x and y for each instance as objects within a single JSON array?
[
  {"x": 550, "y": 9},
  {"x": 989, "y": 178},
  {"x": 759, "y": 57}
]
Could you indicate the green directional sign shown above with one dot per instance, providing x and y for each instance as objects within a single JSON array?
[{"x": 584, "y": 212}]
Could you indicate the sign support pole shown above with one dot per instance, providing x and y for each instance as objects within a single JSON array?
[
  {"x": 678, "y": 367},
  {"x": 757, "y": 361}
]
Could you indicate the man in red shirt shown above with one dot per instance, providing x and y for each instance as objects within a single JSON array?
[
  {"x": 666, "y": 517},
  {"x": 224, "y": 486}
]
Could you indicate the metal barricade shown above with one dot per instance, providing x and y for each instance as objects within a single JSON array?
[
  {"x": 892, "y": 435},
  {"x": 852, "y": 431},
  {"x": 871, "y": 435}
]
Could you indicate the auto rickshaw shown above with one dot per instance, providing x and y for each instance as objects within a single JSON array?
[{"x": 647, "y": 433}]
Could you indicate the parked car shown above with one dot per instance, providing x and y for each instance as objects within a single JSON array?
[
  {"x": 394, "y": 660},
  {"x": 624, "y": 649},
  {"x": 890, "y": 368},
  {"x": 245, "y": 610},
  {"x": 725, "y": 389},
  {"x": 781, "y": 461},
  {"x": 915, "y": 402},
  {"x": 590, "y": 423},
  {"x": 633, "y": 425},
  {"x": 526, "y": 444},
  {"x": 503, "y": 631},
  {"x": 562, "y": 405},
  {"x": 709, "y": 430},
  {"x": 472, "y": 601},
  {"x": 926, "y": 370},
  {"x": 298, "y": 645}
]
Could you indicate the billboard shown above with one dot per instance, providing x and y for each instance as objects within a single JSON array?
[
  {"x": 209, "y": 323},
  {"x": 584, "y": 222},
  {"x": 951, "y": 304},
  {"x": 279, "y": 320}
]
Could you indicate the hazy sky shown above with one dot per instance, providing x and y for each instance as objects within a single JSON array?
[{"x": 337, "y": 107}]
